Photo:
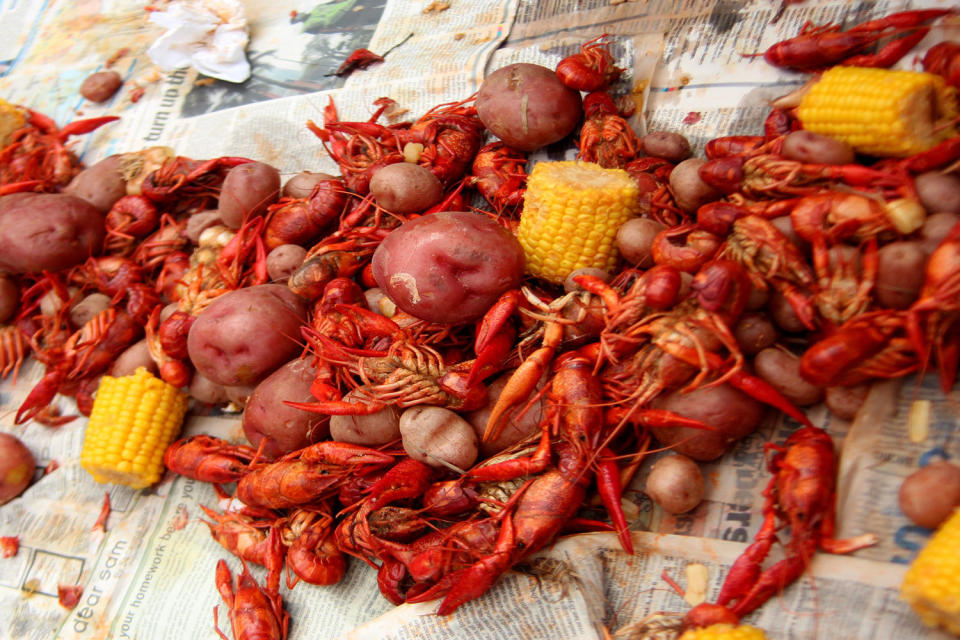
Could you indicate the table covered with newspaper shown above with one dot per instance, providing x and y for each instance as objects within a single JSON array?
[{"x": 150, "y": 574}]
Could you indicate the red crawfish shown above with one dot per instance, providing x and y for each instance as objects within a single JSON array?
[
  {"x": 800, "y": 496},
  {"x": 306, "y": 476},
  {"x": 14, "y": 348},
  {"x": 943, "y": 59},
  {"x": 312, "y": 555},
  {"x": 871, "y": 345},
  {"x": 87, "y": 353},
  {"x": 185, "y": 183},
  {"x": 246, "y": 533},
  {"x": 37, "y": 151},
  {"x": 591, "y": 68},
  {"x": 767, "y": 175},
  {"x": 130, "y": 219},
  {"x": 934, "y": 319},
  {"x": 256, "y": 613},
  {"x": 209, "y": 459},
  {"x": 561, "y": 471},
  {"x": 499, "y": 173},
  {"x": 302, "y": 220},
  {"x": 819, "y": 47}
]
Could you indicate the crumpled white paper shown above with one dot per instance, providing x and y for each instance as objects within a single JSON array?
[{"x": 210, "y": 35}]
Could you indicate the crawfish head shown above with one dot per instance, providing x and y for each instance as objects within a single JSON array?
[{"x": 722, "y": 285}]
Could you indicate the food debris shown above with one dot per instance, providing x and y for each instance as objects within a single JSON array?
[
  {"x": 52, "y": 466},
  {"x": 363, "y": 58},
  {"x": 9, "y": 546},
  {"x": 204, "y": 82},
  {"x": 181, "y": 519},
  {"x": 436, "y": 7},
  {"x": 692, "y": 118},
  {"x": 69, "y": 595},
  {"x": 112, "y": 60},
  {"x": 101, "y": 523}
]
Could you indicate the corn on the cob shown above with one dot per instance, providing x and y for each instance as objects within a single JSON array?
[
  {"x": 880, "y": 112},
  {"x": 723, "y": 631},
  {"x": 932, "y": 584},
  {"x": 571, "y": 214},
  {"x": 134, "y": 419}
]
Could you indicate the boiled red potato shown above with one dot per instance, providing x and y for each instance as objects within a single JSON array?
[
  {"x": 900, "y": 273},
  {"x": 448, "y": 267},
  {"x": 368, "y": 429},
  {"x": 271, "y": 423},
  {"x": 939, "y": 192},
  {"x": 9, "y": 296},
  {"x": 689, "y": 189},
  {"x": 247, "y": 190},
  {"x": 675, "y": 484},
  {"x": 520, "y": 423},
  {"x": 438, "y": 437},
  {"x": 101, "y": 86},
  {"x": 815, "y": 148},
  {"x": 635, "y": 241},
  {"x": 245, "y": 334},
  {"x": 203, "y": 389},
  {"x": 732, "y": 413},
  {"x": 404, "y": 187},
  {"x": 132, "y": 358},
  {"x": 930, "y": 494},
  {"x": 781, "y": 370},
  {"x": 301, "y": 185},
  {"x": 667, "y": 145},
  {"x": 527, "y": 106},
  {"x": 935, "y": 228},
  {"x": 100, "y": 184},
  {"x": 754, "y": 332},
  {"x": 845, "y": 402},
  {"x": 17, "y": 466},
  {"x": 47, "y": 232},
  {"x": 284, "y": 260}
]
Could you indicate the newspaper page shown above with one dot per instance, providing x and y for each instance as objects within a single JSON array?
[{"x": 692, "y": 69}]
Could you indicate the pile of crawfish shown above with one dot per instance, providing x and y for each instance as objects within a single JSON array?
[{"x": 598, "y": 357}]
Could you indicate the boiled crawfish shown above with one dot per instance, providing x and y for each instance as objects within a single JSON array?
[{"x": 799, "y": 495}]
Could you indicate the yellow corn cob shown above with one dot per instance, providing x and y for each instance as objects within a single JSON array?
[
  {"x": 571, "y": 214},
  {"x": 932, "y": 584},
  {"x": 723, "y": 631},
  {"x": 134, "y": 419},
  {"x": 880, "y": 112}
]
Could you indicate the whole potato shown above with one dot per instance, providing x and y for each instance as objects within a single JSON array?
[
  {"x": 899, "y": 273},
  {"x": 100, "y": 184},
  {"x": 17, "y": 465},
  {"x": 203, "y": 389},
  {"x": 438, "y": 437},
  {"x": 284, "y": 260},
  {"x": 85, "y": 309},
  {"x": 9, "y": 296},
  {"x": 404, "y": 187},
  {"x": 518, "y": 426},
  {"x": 731, "y": 412},
  {"x": 845, "y": 402},
  {"x": 938, "y": 192},
  {"x": 783, "y": 315},
  {"x": 101, "y": 86},
  {"x": 301, "y": 185},
  {"x": 675, "y": 484},
  {"x": 782, "y": 371},
  {"x": 667, "y": 145},
  {"x": 47, "y": 232},
  {"x": 449, "y": 266},
  {"x": 133, "y": 357},
  {"x": 247, "y": 191},
  {"x": 268, "y": 421},
  {"x": 754, "y": 332},
  {"x": 689, "y": 189},
  {"x": 527, "y": 107},
  {"x": 930, "y": 494},
  {"x": 371, "y": 430},
  {"x": 635, "y": 241},
  {"x": 816, "y": 148},
  {"x": 935, "y": 228},
  {"x": 245, "y": 334},
  {"x": 200, "y": 222}
]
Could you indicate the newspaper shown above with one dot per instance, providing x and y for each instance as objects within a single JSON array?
[{"x": 150, "y": 575}]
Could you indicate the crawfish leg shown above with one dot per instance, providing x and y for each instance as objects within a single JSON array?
[{"x": 610, "y": 490}]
